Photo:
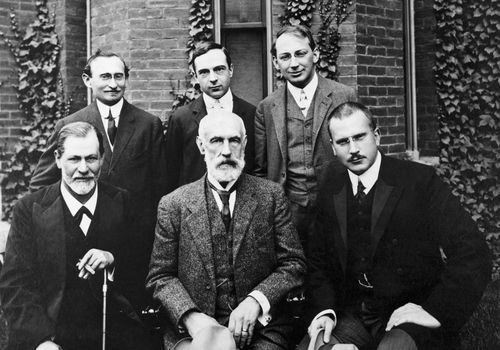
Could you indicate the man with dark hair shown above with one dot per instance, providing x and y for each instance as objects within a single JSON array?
[
  {"x": 212, "y": 67},
  {"x": 396, "y": 262},
  {"x": 65, "y": 239},
  {"x": 291, "y": 137},
  {"x": 134, "y": 156},
  {"x": 226, "y": 251}
]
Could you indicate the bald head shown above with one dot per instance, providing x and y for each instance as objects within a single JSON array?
[{"x": 222, "y": 140}]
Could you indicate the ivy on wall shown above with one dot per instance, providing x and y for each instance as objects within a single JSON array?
[
  {"x": 40, "y": 95},
  {"x": 467, "y": 72},
  {"x": 332, "y": 14},
  {"x": 298, "y": 12}
]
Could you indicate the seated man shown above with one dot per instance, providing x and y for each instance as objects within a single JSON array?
[
  {"x": 62, "y": 241},
  {"x": 397, "y": 263},
  {"x": 226, "y": 251}
]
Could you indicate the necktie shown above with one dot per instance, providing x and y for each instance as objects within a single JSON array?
[
  {"x": 303, "y": 102},
  {"x": 79, "y": 218},
  {"x": 360, "y": 195},
  {"x": 111, "y": 127},
  {"x": 217, "y": 105},
  {"x": 224, "y": 197}
]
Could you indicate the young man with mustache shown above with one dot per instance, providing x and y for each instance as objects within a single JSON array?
[
  {"x": 397, "y": 263},
  {"x": 62, "y": 241},
  {"x": 226, "y": 251}
]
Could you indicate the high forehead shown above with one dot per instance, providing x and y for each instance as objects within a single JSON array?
[
  {"x": 349, "y": 125},
  {"x": 289, "y": 42},
  {"x": 81, "y": 145},
  {"x": 104, "y": 64},
  {"x": 222, "y": 126},
  {"x": 212, "y": 58}
]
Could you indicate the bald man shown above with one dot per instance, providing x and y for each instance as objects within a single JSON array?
[{"x": 226, "y": 251}]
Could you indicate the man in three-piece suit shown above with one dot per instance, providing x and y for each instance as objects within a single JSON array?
[
  {"x": 226, "y": 251},
  {"x": 62, "y": 241},
  {"x": 134, "y": 151},
  {"x": 396, "y": 262},
  {"x": 291, "y": 137},
  {"x": 212, "y": 67}
]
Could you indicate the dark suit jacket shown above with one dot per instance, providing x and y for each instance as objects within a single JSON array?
[
  {"x": 137, "y": 163},
  {"x": 266, "y": 251},
  {"x": 33, "y": 278},
  {"x": 414, "y": 215},
  {"x": 185, "y": 164},
  {"x": 271, "y": 151}
]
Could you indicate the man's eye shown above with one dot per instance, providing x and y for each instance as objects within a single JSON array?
[
  {"x": 342, "y": 142},
  {"x": 203, "y": 73},
  {"x": 220, "y": 69},
  {"x": 105, "y": 76},
  {"x": 301, "y": 53},
  {"x": 284, "y": 57},
  {"x": 119, "y": 76}
]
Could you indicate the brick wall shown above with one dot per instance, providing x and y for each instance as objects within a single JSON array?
[
  {"x": 425, "y": 26},
  {"x": 380, "y": 73},
  {"x": 10, "y": 116},
  {"x": 151, "y": 36}
]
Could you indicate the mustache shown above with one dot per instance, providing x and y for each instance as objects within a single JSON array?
[
  {"x": 355, "y": 157},
  {"x": 230, "y": 162}
]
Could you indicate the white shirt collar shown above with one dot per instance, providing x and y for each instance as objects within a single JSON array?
[
  {"x": 74, "y": 205},
  {"x": 226, "y": 101},
  {"x": 115, "y": 111},
  {"x": 368, "y": 178},
  {"x": 232, "y": 196},
  {"x": 309, "y": 89}
]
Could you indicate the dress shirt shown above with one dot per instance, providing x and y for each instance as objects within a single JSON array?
[
  {"x": 309, "y": 90},
  {"x": 115, "y": 112},
  {"x": 225, "y": 102},
  {"x": 265, "y": 317},
  {"x": 74, "y": 205},
  {"x": 368, "y": 178}
]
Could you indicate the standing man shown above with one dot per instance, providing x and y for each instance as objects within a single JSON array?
[
  {"x": 396, "y": 262},
  {"x": 291, "y": 137},
  {"x": 211, "y": 65},
  {"x": 226, "y": 251},
  {"x": 62, "y": 241},
  {"x": 134, "y": 150}
]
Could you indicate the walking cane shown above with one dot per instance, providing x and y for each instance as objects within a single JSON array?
[{"x": 104, "y": 292}]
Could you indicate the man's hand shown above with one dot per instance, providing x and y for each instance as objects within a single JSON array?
[
  {"x": 322, "y": 322},
  {"x": 412, "y": 313},
  {"x": 194, "y": 321},
  {"x": 94, "y": 260},
  {"x": 242, "y": 321},
  {"x": 48, "y": 345}
]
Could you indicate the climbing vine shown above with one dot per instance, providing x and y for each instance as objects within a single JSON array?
[
  {"x": 298, "y": 12},
  {"x": 332, "y": 14},
  {"x": 40, "y": 95}
]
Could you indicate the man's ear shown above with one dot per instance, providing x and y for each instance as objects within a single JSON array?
[
  {"x": 86, "y": 80},
  {"x": 275, "y": 63},
  {"x": 315, "y": 55},
  {"x": 57, "y": 156},
  {"x": 376, "y": 132},
  {"x": 199, "y": 143},
  {"x": 231, "y": 69}
]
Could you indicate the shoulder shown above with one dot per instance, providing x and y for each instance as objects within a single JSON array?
[
  {"x": 188, "y": 109},
  {"x": 112, "y": 191},
  {"x": 274, "y": 96},
  {"x": 184, "y": 194},
  {"x": 334, "y": 86},
  {"x": 144, "y": 117},
  {"x": 242, "y": 104},
  {"x": 405, "y": 171},
  {"x": 262, "y": 186}
]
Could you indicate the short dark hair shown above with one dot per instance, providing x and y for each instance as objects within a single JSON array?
[
  {"x": 297, "y": 30},
  {"x": 347, "y": 109},
  {"x": 203, "y": 47},
  {"x": 100, "y": 53},
  {"x": 77, "y": 129}
]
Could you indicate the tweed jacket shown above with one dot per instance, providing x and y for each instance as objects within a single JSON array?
[
  {"x": 267, "y": 255},
  {"x": 32, "y": 280},
  {"x": 414, "y": 215},
  {"x": 271, "y": 133},
  {"x": 185, "y": 164}
]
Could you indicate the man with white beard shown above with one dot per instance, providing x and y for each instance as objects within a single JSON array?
[
  {"x": 62, "y": 241},
  {"x": 226, "y": 252}
]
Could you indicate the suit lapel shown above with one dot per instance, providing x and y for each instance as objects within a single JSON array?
[
  {"x": 198, "y": 226},
  {"x": 244, "y": 209},
  {"x": 278, "y": 113},
  {"x": 198, "y": 109},
  {"x": 94, "y": 118},
  {"x": 124, "y": 133},
  {"x": 322, "y": 105},
  {"x": 384, "y": 202},
  {"x": 48, "y": 217},
  {"x": 340, "y": 205}
]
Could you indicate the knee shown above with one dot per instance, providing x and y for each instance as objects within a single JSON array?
[{"x": 397, "y": 339}]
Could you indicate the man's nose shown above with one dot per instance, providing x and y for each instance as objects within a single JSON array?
[
  {"x": 83, "y": 166},
  {"x": 226, "y": 149},
  {"x": 112, "y": 83},
  {"x": 213, "y": 76},
  {"x": 353, "y": 147},
  {"x": 293, "y": 61}
]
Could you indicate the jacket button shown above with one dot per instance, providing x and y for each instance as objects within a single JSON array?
[
  {"x": 395, "y": 241},
  {"x": 399, "y": 270},
  {"x": 207, "y": 287}
]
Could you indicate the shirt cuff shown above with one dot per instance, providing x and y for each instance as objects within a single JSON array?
[
  {"x": 111, "y": 274},
  {"x": 265, "y": 317},
  {"x": 329, "y": 313}
]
